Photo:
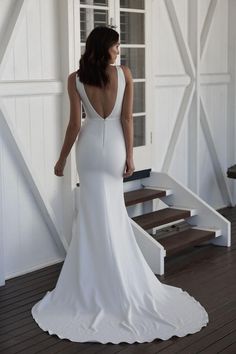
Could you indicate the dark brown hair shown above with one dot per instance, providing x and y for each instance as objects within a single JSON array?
[{"x": 94, "y": 61}]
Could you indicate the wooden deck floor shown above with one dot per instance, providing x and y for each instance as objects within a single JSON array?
[{"x": 208, "y": 273}]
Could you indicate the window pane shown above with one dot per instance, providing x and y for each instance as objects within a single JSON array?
[
  {"x": 134, "y": 58},
  {"x": 82, "y": 48},
  {"x": 139, "y": 97},
  {"x": 139, "y": 131},
  {"x": 95, "y": 2},
  {"x": 132, "y": 4},
  {"x": 131, "y": 28},
  {"x": 90, "y": 18}
]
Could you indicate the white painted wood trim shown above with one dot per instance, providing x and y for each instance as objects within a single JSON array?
[
  {"x": 141, "y": 11},
  {"x": 231, "y": 128},
  {"x": 152, "y": 250},
  {"x": 184, "y": 80},
  {"x": 194, "y": 111},
  {"x": 2, "y": 266},
  {"x": 93, "y": 7},
  {"x": 133, "y": 45},
  {"x": 215, "y": 79},
  {"x": 68, "y": 65},
  {"x": 171, "y": 81},
  {"x": 37, "y": 267},
  {"x": 30, "y": 88}
]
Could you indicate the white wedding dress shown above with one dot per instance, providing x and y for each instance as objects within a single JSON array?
[{"x": 106, "y": 291}]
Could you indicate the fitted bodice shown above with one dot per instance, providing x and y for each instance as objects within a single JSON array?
[{"x": 91, "y": 113}]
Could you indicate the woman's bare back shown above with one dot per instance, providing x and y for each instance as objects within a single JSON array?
[{"x": 103, "y": 99}]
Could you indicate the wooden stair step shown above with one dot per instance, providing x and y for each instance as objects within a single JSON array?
[
  {"x": 185, "y": 239},
  {"x": 161, "y": 217},
  {"x": 142, "y": 195}
]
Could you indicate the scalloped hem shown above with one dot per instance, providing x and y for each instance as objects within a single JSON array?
[
  {"x": 87, "y": 335},
  {"x": 118, "y": 341}
]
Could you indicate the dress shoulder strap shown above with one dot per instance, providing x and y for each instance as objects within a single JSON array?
[{"x": 122, "y": 75}]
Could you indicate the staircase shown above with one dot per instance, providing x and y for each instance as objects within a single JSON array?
[{"x": 157, "y": 203}]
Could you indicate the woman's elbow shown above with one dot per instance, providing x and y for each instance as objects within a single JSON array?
[
  {"x": 74, "y": 127},
  {"x": 127, "y": 118}
]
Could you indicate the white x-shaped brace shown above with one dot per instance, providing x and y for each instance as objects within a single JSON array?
[
  {"x": 10, "y": 132},
  {"x": 192, "y": 93}
]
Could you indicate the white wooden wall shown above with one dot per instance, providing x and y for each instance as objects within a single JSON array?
[
  {"x": 31, "y": 87},
  {"x": 194, "y": 94},
  {"x": 193, "y": 63}
]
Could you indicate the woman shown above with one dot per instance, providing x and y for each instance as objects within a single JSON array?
[
  {"x": 102, "y": 93},
  {"x": 106, "y": 291}
]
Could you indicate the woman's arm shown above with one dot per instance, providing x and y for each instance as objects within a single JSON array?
[
  {"x": 73, "y": 125},
  {"x": 127, "y": 121}
]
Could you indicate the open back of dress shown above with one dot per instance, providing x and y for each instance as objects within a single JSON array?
[{"x": 106, "y": 291}]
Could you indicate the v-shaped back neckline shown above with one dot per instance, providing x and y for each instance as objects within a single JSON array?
[{"x": 114, "y": 106}]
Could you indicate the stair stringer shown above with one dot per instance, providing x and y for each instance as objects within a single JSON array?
[
  {"x": 153, "y": 252},
  {"x": 207, "y": 217}
]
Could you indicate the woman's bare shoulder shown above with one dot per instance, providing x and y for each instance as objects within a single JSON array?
[
  {"x": 72, "y": 76},
  {"x": 127, "y": 72},
  {"x": 71, "y": 82}
]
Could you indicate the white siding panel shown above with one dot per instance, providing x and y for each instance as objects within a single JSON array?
[
  {"x": 168, "y": 59},
  {"x": 10, "y": 222},
  {"x": 215, "y": 58},
  {"x": 208, "y": 186},
  {"x": 181, "y": 8},
  {"x": 49, "y": 14},
  {"x": 37, "y": 245},
  {"x": 180, "y": 158},
  {"x": 215, "y": 102},
  {"x": 2, "y": 207},
  {"x": 203, "y": 6},
  {"x": 34, "y": 40},
  {"x": 52, "y": 145},
  {"x": 21, "y": 69},
  {"x": 167, "y": 102},
  {"x": 10, "y": 103},
  {"x": 9, "y": 68},
  {"x": 38, "y": 153},
  {"x": 37, "y": 120},
  {"x": 27, "y": 241},
  {"x": 5, "y": 13},
  {"x": 23, "y": 122}
]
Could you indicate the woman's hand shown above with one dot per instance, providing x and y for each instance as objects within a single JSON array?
[
  {"x": 59, "y": 167},
  {"x": 129, "y": 167}
]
